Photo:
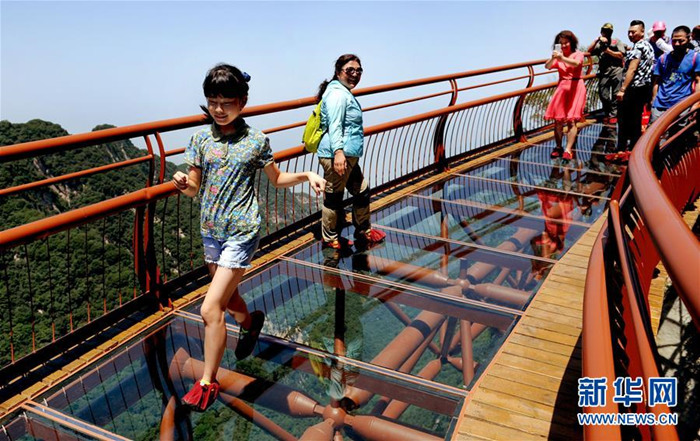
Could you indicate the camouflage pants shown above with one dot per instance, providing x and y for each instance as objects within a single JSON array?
[
  {"x": 608, "y": 86},
  {"x": 333, "y": 212}
]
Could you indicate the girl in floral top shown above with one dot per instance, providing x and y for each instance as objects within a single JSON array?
[{"x": 223, "y": 160}]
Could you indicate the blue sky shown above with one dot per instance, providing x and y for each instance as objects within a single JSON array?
[{"x": 80, "y": 64}]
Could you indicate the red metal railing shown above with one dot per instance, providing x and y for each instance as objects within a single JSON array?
[
  {"x": 643, "y": 228},
  {"x": 426, "y": 142}
]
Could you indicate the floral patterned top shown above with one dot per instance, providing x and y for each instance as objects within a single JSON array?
[{"x": 229, "y": 207}]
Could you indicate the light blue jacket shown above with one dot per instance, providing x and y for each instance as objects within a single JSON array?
[{"x": 342, "y": 116}]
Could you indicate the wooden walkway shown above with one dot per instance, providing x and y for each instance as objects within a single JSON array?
[{"x": 529, "y": 392}]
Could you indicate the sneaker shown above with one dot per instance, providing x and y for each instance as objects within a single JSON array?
[
  {"x": 201, "y": 396},
  {"x": 613, "y": 120},
  {"x": 248, "y": 337},
  {"x": 567, "y": 156},
  {"x": 338, "y": 244}
]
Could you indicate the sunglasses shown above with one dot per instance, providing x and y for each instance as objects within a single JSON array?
[{"x": 353, "y": 71}]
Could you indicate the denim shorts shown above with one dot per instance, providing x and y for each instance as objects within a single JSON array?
[{"x": 232, "y": 253}]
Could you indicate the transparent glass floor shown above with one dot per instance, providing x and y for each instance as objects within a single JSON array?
[{"x": 373, "y": 344}]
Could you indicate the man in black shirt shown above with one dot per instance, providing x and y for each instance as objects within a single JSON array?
[{"x": 611, "y": 54}]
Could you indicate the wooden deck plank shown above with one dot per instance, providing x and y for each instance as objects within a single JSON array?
[
  {"x": 524, "y": 392},
  {"x": 548, "y": 335},
  {"x": 549, "y": 326},
  {"x": 519, "y": 421},
  {"x": 544, "y": 345},
  {"x": 529, "y": 379},
  {"x": 533, "y": 366},
  {"x": 528, "y": 408},
  {"x": 472, "y": 426},
  {"x": 557, "y": 309},
  {"x": 540, "y": 355}
]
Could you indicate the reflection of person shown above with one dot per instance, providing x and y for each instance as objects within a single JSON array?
[
  {"x": 611, "y": 52},
  {"x": 606, "y": 141},
  {"x": 339, "y": 152},
  {"x": 223, "y": 159},
  {"x": 635, "y": 92},
  {"x": 339, "y": 332},
  {"x": 596, "y": 183},
  {"x": 674, "y": 74},
  {"x": 557, "y": 209},
  {"x": 566, "y": 106}
]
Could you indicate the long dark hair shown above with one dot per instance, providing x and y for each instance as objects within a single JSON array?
[
  {"x": 339, "y": 63},
  {"x": 226, "y": 81},
  {"x": 573, "y": 41}
]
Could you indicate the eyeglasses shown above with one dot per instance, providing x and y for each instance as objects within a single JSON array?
[{"x": 353, "y": 71}]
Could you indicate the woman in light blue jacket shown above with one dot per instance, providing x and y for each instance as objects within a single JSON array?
[{"x": 339, "y": 152}]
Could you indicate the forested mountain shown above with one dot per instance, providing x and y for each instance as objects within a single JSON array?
[{"x": 87, "y": 271}]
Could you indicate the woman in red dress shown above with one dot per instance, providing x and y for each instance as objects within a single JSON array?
[{"x": 566, "y": 106}]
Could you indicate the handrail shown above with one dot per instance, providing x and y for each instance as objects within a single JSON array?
[
  {"x": 643, "y": 227},
  {"x": 678, "y": 247},
  {"x": 595, "y": 310},
  {"x": 642, "y": 334},
  {"x": 33, "y": 148},
  {"x": 44, "y": 227},
  {"x": 419, "y": 138}
]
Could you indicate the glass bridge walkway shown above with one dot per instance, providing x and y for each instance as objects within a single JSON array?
[{"x": 380, "y": 343}]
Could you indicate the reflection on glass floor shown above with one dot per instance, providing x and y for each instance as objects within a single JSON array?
[{"x": 365, "y": 343}]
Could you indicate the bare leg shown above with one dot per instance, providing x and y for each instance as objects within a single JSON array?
[
  {"x": 236, "y": 306},
  {"x": 571, "y": 137},
  {"x": 558, "y": 133},
  {"x": 220, "y": 295}
]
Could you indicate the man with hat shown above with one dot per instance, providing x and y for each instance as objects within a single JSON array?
[
  {"x": 611, "y": 55},
  {"x": 659, "y": 41}
]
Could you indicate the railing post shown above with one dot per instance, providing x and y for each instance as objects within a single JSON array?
[
  {"x": 439, "y": 138},
  {"x": 148, "y": 270},
  {"x": 518, "y": 132}
]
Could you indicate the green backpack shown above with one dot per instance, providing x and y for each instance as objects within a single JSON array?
[{"x": 313, "y": 132}]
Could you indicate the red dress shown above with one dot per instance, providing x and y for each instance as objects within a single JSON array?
[{"x": 570, "y": 96}]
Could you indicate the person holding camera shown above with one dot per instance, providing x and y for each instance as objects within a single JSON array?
[
  {"x": 611, "y": 54},
  {"x": 569, "y": 98}
]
